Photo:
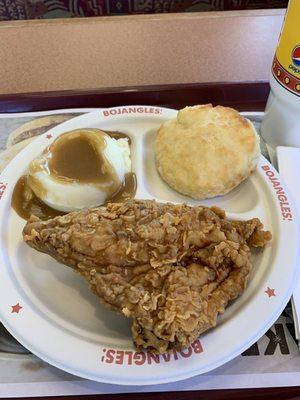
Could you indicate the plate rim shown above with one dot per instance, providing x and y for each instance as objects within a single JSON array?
[{"x": 191, "y": 372}]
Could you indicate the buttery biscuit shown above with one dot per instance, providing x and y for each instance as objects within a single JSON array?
[{"x": 206, "y": 151}]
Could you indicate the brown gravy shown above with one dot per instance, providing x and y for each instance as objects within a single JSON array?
[
  {"x": 127, "y": 190},
  {"x": 78, "y": 159},
  {"x": 26, "y": 203},
  {"x": 74, "y": 159}
]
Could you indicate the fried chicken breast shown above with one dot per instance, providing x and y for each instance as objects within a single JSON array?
[{"x": 171, "y": 268}]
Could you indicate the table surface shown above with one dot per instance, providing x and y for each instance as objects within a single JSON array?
[
  {"x": 242, "y": 96},
  {"x": 88, "y": 53}
]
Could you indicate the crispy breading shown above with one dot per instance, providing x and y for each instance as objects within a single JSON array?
[{"x": 172, "y": 268}]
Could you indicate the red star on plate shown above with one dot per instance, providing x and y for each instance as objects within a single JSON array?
[
  {"x": 270, "y": 292},
  {"x": 49, "y": 136},
  {"x": 16, "y": 309}
]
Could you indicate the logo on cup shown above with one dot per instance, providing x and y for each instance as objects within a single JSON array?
[{"x": 296, "y": 56}]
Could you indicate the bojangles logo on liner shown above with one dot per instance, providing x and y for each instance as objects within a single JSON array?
[
  {"x": 284, "y": 204},
  {"x": 3, "y": 187},
  {"x": 121, "y": 357},
  {"x": 131, "y": 110}
]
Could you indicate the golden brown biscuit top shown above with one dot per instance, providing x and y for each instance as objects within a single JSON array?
[{"x": 206, "y": 151}]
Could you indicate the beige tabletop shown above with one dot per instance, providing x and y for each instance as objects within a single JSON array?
[{"x": 92, "y": 53}]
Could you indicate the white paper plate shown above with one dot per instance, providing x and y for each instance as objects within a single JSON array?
[{"x": 63, "y": 323}]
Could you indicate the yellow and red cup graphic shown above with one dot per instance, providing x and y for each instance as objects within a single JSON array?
[{"x": 286, "y": 64}]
